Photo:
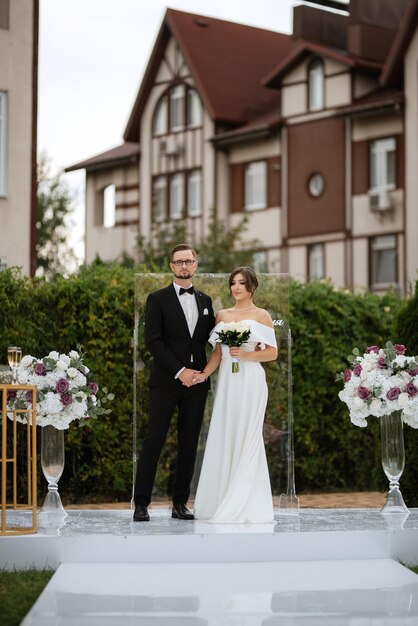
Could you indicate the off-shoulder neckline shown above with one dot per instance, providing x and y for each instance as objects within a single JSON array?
[{"x": 247, "y": 320}]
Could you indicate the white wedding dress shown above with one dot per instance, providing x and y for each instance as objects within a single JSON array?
[{"x": 234, "y": 484}]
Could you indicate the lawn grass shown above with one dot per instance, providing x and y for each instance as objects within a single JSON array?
[{"x": 18, "y": 592}]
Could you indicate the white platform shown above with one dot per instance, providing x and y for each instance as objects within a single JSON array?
[{"x": 333, "y": 566}]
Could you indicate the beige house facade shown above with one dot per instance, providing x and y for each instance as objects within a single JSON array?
[
  {"x": 312, "y": 135},
  {"x": 18, "y": 121}
]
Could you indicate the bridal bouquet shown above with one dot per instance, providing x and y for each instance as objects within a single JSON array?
[
  {"x": 66, "y": 390},
  {"x": 381, "y": 381},
  {"x": 234, "y": 335}
]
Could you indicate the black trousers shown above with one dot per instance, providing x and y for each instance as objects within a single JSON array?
[{"x": 163, "y": 402}]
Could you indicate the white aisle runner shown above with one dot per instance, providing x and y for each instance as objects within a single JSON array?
[{"x": 366, "y": 592}]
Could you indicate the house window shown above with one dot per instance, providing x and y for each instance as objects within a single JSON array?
[
  {"x": 177, "y": 107},
  {"x": 194, "y": 193},
  {"x": 383, "y": 163},
  {"x": 260, "y": 261},
  {"x": 159, "y": 126},
  {"x": 3, "y": 143},
  {"x": 194, "y": 109},
  {"x": 176, "y": 196},
  {"x": 109, "y": 206},
  {"x": 255, "y": 186},
  {"x": 316, "y": 85},
  {"x": 316, "y": 261},
  {"x": 4, "y": 14},
  {"x": 159, "y": 198},
  {"x": 383, "y": 256}
]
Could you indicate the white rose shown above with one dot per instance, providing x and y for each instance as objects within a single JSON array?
[
  {"x": 54, "y": 355},
  {"x": 62, "y": 365},
  {"x": 72, "y": 372},
  {"x": 403, "y": 400},
  {"x": 27, "y": 360},
  {"x": 65, "y": 358},
  {"x": 73, "y": 354}
]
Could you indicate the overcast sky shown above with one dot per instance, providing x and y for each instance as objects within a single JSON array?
[{"x": 93, "y": 54}]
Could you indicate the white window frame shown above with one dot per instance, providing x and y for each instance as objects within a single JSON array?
[
  {"x": 3, "y": 143},
  {"x": 194, "y": 193},
  {"x": 316, "y": 85},
  {"x": 159, "y": 125},
  {"x": 316, "y": 261},
  {"x": 378, "y": 246},
  {"x": 255, "y": 186},
  {"x": 176, "y": 196},
  {"x": 382, "y": 165},
  {"x": 109, "y": 206},
  {"x": 159, "y": 191},
  {"x": 194, "y": 109},
  {"x": 177, "y": 107}
]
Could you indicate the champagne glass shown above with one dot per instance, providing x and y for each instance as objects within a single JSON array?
[
  {"x": 11, "y": 352},
  {"x": 18, "y": 358}
]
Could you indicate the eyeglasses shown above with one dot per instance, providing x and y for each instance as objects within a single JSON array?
[{"x": 186, "y": 262}]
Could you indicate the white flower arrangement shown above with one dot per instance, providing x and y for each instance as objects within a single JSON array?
[
  {"x": 234, "y": 334},
  {"x": 380, "y": 382},
  {"x": 65, "y": 390}
]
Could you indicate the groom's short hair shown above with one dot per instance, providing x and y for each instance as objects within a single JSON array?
[{"x": 179, "y": 247}]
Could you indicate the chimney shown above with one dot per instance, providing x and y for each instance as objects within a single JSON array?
[{"x": 314, "y": 24}]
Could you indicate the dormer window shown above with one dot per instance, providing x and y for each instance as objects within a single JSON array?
[
  {"x": 316, "y": 85},
  {"x": 179, "y": 108}
]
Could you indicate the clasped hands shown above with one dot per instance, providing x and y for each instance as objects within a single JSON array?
[{"x": 191, "y": 377}]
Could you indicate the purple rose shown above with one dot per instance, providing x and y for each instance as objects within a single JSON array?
[
  {"x": 413, "y": 372},
  {"x": 381, "y": 363},
  {"x": 372, "y": 349},
  {"x": 66, "y": 399},
  {"x": 62, "y": 385},
  {"x": 357, "y": 370},
  {"x": 363, "y": 392},
  {"x": 399, "y": 348},
  {"x": 28, "y": 397},
  {"x": 11, "y": 395},
  {"x": 40, "y": 369},
  {"x": 347, "y": 375},
  {"x": 393, "y": 394},
  {"x": 411, "y": 390},
  {"x": 94, "y": 387}
]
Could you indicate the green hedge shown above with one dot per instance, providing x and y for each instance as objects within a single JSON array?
[{"x": 96, "y": 309}]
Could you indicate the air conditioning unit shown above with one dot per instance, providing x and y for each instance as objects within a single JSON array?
[
  {"x": 169, "y": 146},
  {"x": 379, "y": 201}
]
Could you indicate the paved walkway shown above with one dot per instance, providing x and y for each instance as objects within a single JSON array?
[{"x": 356, "y": 500}]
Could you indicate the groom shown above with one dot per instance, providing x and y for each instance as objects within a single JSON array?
[{"x": 178, "y": 320}]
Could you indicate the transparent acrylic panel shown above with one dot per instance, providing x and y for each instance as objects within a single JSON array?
[{"x": 271, "y": 294}]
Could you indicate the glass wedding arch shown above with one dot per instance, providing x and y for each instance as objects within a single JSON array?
[{"x": 273, "y": 295}]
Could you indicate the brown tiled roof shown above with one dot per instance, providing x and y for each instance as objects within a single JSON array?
[
  {"x": 393, "y": 68},
  {"x": 380, "y": 99},
  {"x": 273, "y": 78},
  {"x": 227, "y": 60},
  {"x": 259, "y": 126},
  {"x": 125, "y": 153}
]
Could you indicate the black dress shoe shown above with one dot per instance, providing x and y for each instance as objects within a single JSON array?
[
  {"x": 141, "y": 513},
  {"x": 180, "y": 511}
]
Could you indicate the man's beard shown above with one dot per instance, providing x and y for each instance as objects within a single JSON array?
[{"x": 185, "y": 276}]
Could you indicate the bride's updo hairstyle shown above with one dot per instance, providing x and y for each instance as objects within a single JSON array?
[{"x": 250, "y": 278}]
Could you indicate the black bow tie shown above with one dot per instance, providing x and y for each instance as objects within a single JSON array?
[{"x": 189, "y": 290}]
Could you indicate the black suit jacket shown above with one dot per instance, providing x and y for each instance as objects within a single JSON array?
[{"x": 168, "y": 339}]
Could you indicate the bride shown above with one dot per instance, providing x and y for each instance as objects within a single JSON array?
[{"x": 234, "y": 484}]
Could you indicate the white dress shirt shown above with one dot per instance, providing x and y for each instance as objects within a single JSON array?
[{"x": 191, "y": 313}]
